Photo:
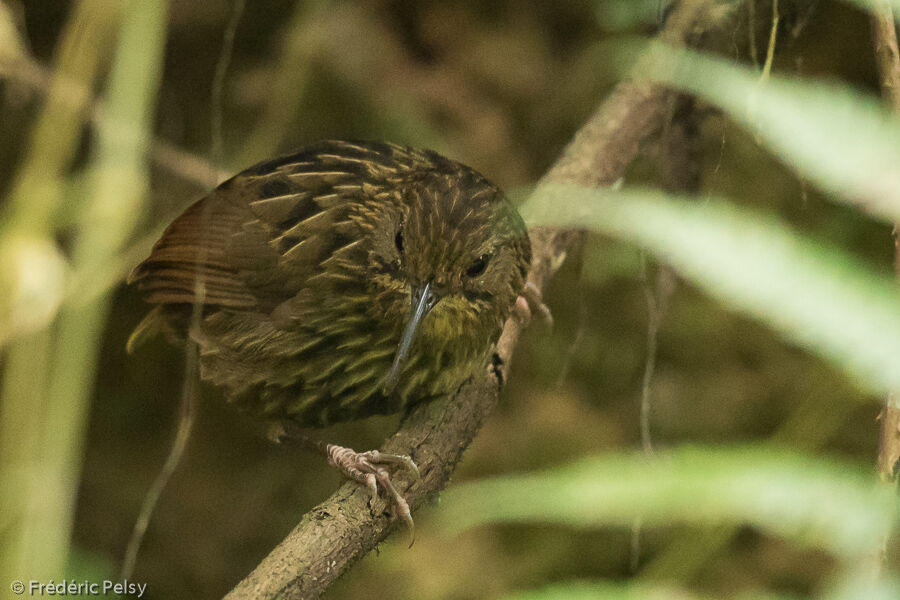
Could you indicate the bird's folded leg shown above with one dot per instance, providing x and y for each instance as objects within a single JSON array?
[
  {"x": 366, "y": 468},
  {"x": 531, "y": 301}
]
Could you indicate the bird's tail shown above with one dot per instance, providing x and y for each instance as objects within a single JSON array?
[
  {"x": 163, "y": 320},
  {"x": 149, "y": 327}
]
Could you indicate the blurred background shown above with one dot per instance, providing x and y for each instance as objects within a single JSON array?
[{"x": 499, "y": 85}]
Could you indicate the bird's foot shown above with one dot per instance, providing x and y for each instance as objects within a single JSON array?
[
  {"x": 368, "y": 469},
  {"x": 529, "y": 302}
]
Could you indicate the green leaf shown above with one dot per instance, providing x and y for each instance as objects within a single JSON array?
[
  {"x": 872, "y": 5},
  {"x": 812, "y": 294},
  {"x": 842, "y": 140},
  {"x": 583, "y": 590},
  {"x": 863, "y": 585},
  {"x": 605, "y": 590},
  {"x": 805, "y": 499},
  {"x": 616, "y": 15}
]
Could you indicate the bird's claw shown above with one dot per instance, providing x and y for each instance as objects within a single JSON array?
[
  {"x": 377, "y": 457},
  {"x": 531, "y": 301},
  {"x": 364, "y": 467}
]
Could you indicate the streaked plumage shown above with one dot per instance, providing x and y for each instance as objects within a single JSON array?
[{"x": 309, "y": 264}]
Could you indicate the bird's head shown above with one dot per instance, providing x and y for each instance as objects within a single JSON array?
[{"x": 452, "y": 254}]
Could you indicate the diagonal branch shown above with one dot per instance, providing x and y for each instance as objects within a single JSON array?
[{"x": 339, "y": 531}]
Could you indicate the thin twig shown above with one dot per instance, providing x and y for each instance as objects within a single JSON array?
[
  {"x": 770, "y": 50},
  {"x": 678, "y": 163},
  {"x": 657, "y": 297},
  {"x": 190, "y": 384},
  {"x": 218, "y": 87},
  {"x": 751, "y": 32},
  {"x": 578, "y": 338},
  {"x": 182, "y": 435}
]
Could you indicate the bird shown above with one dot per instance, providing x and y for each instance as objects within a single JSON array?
[{"x": 349, "y": 279}]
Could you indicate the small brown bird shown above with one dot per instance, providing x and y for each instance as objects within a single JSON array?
[{"x": 349, "y": 279}]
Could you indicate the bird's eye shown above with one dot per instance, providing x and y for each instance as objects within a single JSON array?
[
  {"x": 398, "y": 241},
  {"x": 478, "y": 266}
]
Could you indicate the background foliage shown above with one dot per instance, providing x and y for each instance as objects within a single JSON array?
[{"x": 771, "y": 361}]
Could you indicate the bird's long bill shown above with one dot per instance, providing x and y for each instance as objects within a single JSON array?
[{"x": 423, "y": 300}]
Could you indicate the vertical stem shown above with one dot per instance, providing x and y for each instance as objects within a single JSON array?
[
  {"x": 887, "y": 56},
  {"x": 120, "y": 184}
]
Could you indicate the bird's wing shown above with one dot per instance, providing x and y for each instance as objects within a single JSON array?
[
  {"x": 255, "y": 240},
  {"x": 190, "y": 260}
]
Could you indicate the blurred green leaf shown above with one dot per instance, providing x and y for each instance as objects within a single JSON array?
[
  {"x": 604, "y": 590},
  {"x": 49, "y": 378},
  {"x": 858, "y": 587},
  {"x": 11, "y": 48},
  {"x": 842, "y": 140},
  {"x": 33, "y": 277},
  {"x": 805, "y": 499},
  {"x": 118, "y": 181},
  {"x": 812, "y": 294},
  {"x": 870, "y": 5},
  {"x": 32, "y": 271},
  {"x": 614, "y": 15}
]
